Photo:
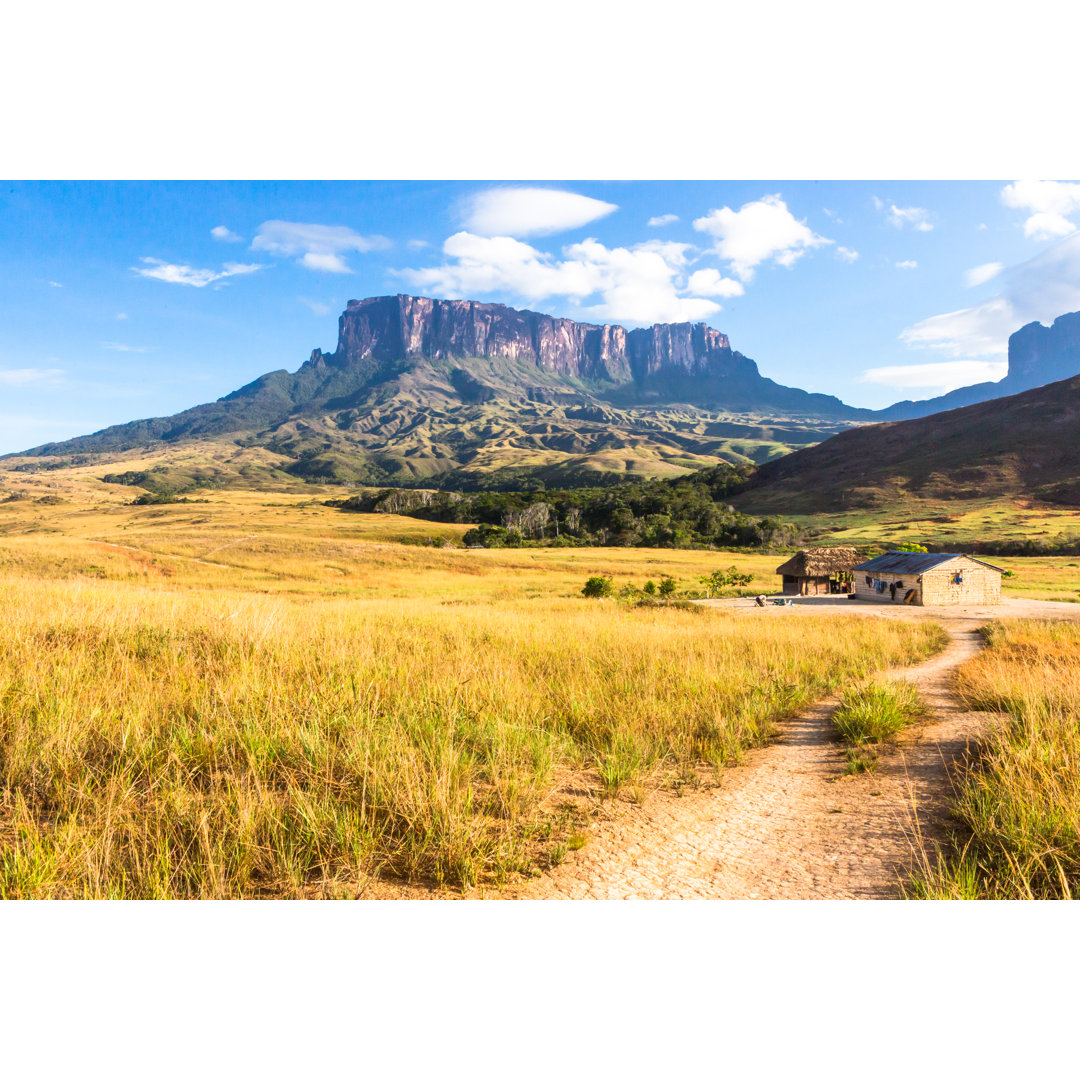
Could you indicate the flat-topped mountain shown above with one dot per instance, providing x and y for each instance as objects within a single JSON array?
[
  {"x": 1037, "y": 355},
  {"x": 423, "y": 392},
  {"x": 419, "y": 389}
]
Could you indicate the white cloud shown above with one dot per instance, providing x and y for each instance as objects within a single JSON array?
[
  {"x": 326, "y": 261},
  {"x": 417, "y": 245},
  {"x": 981, "y": 227},
  {"x": 977, "y": 331},
  {"x": 181, "y": 274},
  {"x": 1050, "y": 203},
  {"x": 638, "y": 285},
  {"x": 220, "y": 232},
  {"x": 317, "y": 306},
  {"x": 121, "y": 315},
  {"x": 661, "y": 220},
  {"x": 847, "y": 254},
  {"x": 941, "y": 377},
  {"x": 56, "y": 284},
  {"x": 899, "y": 216},
  {"x": 710, "y": 282},
  {"x": 1038, "y": 290},
  {"x": 979, "y": 275},
  {"x": 117, "y": 346},
  {"x": 907, "y": 264},
  {"x": 320, "y": 247},
  {"x": 758, "y": 231},
  {"x": 523, "y": 211},
  {"x": 26, "y": 376}
]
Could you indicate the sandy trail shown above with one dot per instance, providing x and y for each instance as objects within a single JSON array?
[{"x": 789, "y": 824}]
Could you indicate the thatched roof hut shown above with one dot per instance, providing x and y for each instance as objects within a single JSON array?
[{"x": 819, "y": 570}]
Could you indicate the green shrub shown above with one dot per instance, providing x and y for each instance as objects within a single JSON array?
[{"x": 598, "y": 587}]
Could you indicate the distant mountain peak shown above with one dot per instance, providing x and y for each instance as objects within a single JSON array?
[{"x": 1038, "y": 355}]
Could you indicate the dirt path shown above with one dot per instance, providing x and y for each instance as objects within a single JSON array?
[
  {"x": 162, "y": 555},
  {"x": 790, "y": 824}
]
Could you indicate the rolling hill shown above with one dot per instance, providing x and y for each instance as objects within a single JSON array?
[{"x": 1021, "y": 446}]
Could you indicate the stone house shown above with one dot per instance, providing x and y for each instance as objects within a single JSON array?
[{"x": 916, "y": 577}]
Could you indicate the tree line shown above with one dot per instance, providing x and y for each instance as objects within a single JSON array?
[{"x": 683, "y": 512}]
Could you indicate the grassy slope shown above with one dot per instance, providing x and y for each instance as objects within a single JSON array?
[{"x": 1018, "y": 804}]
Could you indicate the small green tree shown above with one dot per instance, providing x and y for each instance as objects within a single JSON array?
[
  {"x": 667, "y": 586},
  {"x": 909, "y": 546},
  {"x": 597, "y": 587},
  {"x": 650, "y": 588}
]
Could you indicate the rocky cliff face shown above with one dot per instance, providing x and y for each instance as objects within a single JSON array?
[
  {"x": 1037, "y": 355},
  {"x": 1043, "y": 354},
  {"x": 423, "y": 354},
  {"x": 409, "y": 327}
]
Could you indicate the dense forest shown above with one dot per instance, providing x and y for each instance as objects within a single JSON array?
[{"x": 687, "y": 511}]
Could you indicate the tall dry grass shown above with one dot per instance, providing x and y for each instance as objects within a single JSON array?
[
  {"x": 1018, "y": 801},
  {"x": 157, "y": 741}
]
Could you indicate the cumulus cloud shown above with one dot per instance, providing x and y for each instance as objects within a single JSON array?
[
  {"x": 757, "y": 232},
  {"x": 1049, "y": 203},
  {"x": 710, "y": 282},
  {"x": 319, "y": 247},
  {"x": 979, "y": 275},
  {"x": 847, "y": 254},
  {"x": 907, "y": 264},
  {"x": 181, "y": 274},
  {"x": 525, "y": 211},
  {"x": 1038, "y": 290},
  {"x": 661, "y": 220},
  {"x": 899, "y": 216},
  {"x": 220, "y": 232},
  {"x": 641, "y": 284},
  {"x": 941, "y": 377},
  {"x": 27, "y": 376}
]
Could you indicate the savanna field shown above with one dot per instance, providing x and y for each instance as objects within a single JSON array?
[{"x": 258, "y": 695}]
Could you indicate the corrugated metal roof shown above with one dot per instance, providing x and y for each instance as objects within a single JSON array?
[{"x": 914, "y": 562}]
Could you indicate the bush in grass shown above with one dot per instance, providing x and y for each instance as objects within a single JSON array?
[
  {"x": 874, "y": 712},
  {"x": 667, "y": 586},
  {"x": 597, "y": 587}
]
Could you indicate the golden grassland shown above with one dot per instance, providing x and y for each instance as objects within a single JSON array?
[
  {"x": 290, "y": 541},
  {"x": 942, "y": 521},
  {"x": 1017, "y": 803},
  {"x": 257, "y": 696}
]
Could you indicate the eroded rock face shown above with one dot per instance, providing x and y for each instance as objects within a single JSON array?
[
  {"x": 1041, "y": 354},
  {"x": 399, "y": 327}
]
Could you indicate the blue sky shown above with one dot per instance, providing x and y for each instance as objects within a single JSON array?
[{"x": 126, "y": 300}]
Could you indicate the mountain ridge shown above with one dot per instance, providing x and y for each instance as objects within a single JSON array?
[
  {"x": 1037, "y": 355},
  {"x": 1022, "y": 445},
  {"x": 422, "y": 391}
]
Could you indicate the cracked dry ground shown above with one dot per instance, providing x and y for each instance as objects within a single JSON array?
[{"x": 789, "y": 824}]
